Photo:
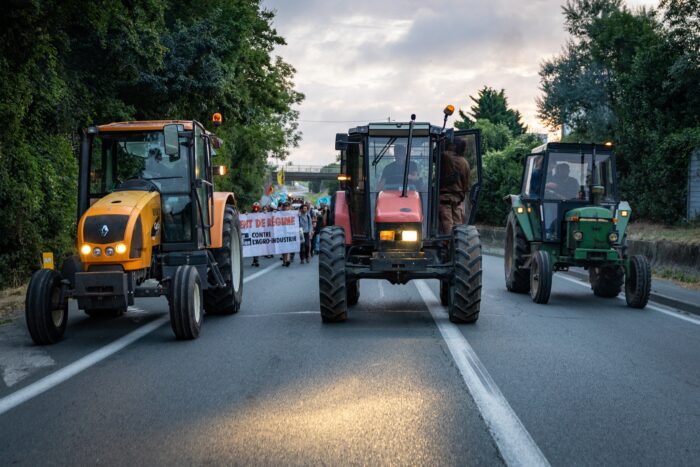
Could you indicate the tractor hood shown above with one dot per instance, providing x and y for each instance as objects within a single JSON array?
[
  {"x": 393, "y": 208},
  {"x": 120, "y": 229},
  {"x": 590, "y": 212}
]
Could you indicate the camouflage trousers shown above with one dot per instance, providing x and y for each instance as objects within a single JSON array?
[{"x": 451, "y": 214}]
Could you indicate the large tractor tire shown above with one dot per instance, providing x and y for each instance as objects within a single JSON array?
[
  {"x": 331, "y": 275},
  {"x": 516, "y": 252},
  {"x": 445, "y": 293},
  {"x": 353, "y": 292},
  {"x": 606, "y": 281},
  {"x": 186, "y": 303},
  {"x": 45, "y": 311},
  {"x": 540, "y": 277},
  {"x": 227, "y": 300},
  {"x": 465, "y": 293},
  {"x": 105, "y": 314},
  {"x": 638, "y": 282}
]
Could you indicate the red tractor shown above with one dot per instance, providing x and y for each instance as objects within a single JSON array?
[{"x": 384, "y": 221}]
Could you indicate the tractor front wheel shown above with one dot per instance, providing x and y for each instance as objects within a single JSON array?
[
  {"x": 517, "y": 248},
  {"x": 465, "y": 293},
  {"x": 606, "y": 281},
  {"x": 540, "y": 277},
  {"x": 229, "y": 258},
  {"x": 332, "y": 286},
  {"x": 186, "y": 303},
  {"x": 46, "y": 310},
  {"x": 638, "y": 282}
]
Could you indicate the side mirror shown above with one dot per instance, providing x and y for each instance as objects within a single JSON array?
[
  {"x": 172, "y": 140},
  {"x": 341, "y": 141}
]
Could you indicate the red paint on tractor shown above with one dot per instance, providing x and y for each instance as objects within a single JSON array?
[
  {"x": 342, "y": 215},
  {"x": 392, "y": 208}
]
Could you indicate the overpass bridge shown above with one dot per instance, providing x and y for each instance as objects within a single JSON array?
[{"x": 308, "y": 173}]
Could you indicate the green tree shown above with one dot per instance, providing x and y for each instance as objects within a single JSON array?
[{"x": 492, "y": 105}]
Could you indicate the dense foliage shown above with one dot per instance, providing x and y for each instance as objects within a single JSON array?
[
  {"x": 67, "y": 64},
  {"x": 632, "y": 77},
  {"x": 503, "y": 145}
]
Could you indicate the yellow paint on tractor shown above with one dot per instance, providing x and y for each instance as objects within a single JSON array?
[{"x": 133, "y": 204}]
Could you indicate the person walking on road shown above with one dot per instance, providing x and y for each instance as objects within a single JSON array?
[
  {"x": 254, "y": 210},
  {"x": 305, "y": 226},
  {"x": 454, "y": 186},
  {"x": 285, "y": 256}
]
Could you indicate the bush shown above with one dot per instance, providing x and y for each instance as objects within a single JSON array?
[{"x": 502, "y": 172}]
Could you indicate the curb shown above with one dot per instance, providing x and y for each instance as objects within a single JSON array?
[{"x": 661, "y": 299}]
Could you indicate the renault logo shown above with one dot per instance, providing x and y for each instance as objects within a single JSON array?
[{"x": 104, "y": 230}]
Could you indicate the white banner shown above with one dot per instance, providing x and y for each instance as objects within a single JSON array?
[{"x": 270, "y": 233}]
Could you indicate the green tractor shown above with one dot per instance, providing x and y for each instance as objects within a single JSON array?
[{"x": 569, "y": 215}]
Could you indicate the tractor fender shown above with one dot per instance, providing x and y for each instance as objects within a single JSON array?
[
  {"x": 521, "y": 216},
  {"x": 341, "y": 216},
  {"x": 221, "y": 200},
  {"x": 622, "y": 221}
]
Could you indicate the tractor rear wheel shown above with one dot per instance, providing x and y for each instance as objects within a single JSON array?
[
  {"x": 444, "y": 293},
  {"x": 353, "y": 291},
  {"x": 516, "y": 251},
  {"x": 606, "y": 281},
  {"x": 46, "y": 313},
  {"x": 465, "y": 293},
  {"x": 638, "y": 282},
  {"x": 229, "y": 258},
  {"x": 540, "y": 277},
  {"x": 331, "y": 275},
  {"x": 186, "y": 303}
]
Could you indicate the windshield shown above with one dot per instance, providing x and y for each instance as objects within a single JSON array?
[
  {"x": 570, "y": 176},
  {"x": 117, "y": 158}
]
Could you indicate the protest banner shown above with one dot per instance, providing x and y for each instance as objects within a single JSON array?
[{"x": 270, "y": 233}]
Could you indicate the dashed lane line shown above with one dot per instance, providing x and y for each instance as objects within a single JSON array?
[
  {"x": 668, "y": 312},
  {"x": 54, "y": 379},
  {"x": 512, "y": 439}
]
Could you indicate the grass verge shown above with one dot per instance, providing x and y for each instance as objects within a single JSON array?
[{"x": 11, "y": 304}]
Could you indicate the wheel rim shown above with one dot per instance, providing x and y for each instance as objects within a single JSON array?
[
  {"x": 57, "y": 312},
  {"x": 235, "y": 261},
  {"x": 197, "y": 303}
]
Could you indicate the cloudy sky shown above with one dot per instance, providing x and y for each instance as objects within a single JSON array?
[{"x": 367, "y": 60}]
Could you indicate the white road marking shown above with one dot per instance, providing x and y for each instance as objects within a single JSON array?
[
  {"x": 54, "y": 379},
  {"x": 514, "y": 442},
  {"x": 669, "y": 312}
]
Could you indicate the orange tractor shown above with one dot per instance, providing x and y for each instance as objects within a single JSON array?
[{"x": 149, "y": 224}]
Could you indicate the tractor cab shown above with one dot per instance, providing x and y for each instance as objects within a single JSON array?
[
  {"x": 564, "y": 181},
  {"x": 385, "y": 221}
]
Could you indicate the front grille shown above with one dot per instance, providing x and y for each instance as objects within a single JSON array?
[{"x": 95, "y": 228}]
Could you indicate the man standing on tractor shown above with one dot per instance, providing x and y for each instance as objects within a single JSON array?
[{"x": 454, "y": 185}]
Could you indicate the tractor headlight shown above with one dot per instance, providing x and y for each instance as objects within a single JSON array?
[
  {"x": 578, "y": 236},
  {"x": 121, "y": 248},
  {"x": 97, "y": 251},
  {"x": 409, "y": 236},
  {"x": 613, "y": 237},
  {"x": 86, "y": 249},
  {"x": 386, "y": 235},
  {"x": 109, "y": 251},
  {"x": 624, "y": 213}
]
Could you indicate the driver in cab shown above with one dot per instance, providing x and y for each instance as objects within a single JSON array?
[
  {"x": 392, "y": 175},
  {"x": 561, "y": 183}
]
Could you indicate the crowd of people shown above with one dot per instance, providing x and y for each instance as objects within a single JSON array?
[{"x": 311, "y": 221}]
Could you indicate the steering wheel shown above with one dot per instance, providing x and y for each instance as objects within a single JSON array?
[{"x": 554, "y": 193}]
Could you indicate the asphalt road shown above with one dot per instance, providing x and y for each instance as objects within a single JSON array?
[{"x": 587, "y": 381}]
